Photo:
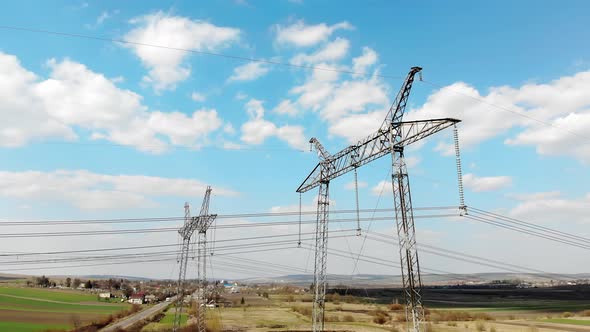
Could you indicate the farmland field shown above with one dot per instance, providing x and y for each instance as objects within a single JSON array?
[
  {"x": 33, "y": 309},
  {"x": 449, "y": 311}
]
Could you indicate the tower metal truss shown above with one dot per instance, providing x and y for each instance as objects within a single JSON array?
[
  {"x": 200, "y": 224},
  {"x": 391, "y": 138}
]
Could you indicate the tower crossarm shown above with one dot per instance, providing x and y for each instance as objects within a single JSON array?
[
  {"x": 205, "y": 205},
  {"x": 374, "y": 147},
  {"x": 205, "y": 222},
  {"x": 323, "y": 154}
]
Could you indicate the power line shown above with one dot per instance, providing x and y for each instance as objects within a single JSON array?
[
  {"x": 273, "y": 62},
  {"x": 181, "y": 218},
  {"x": 531, "y": 225},
  {"x": 173, "y": 229},
  {"x": 468, "y": 258},
  {"x": 506, "y": 109},
  {"x": 179, "y": 49},
  {"x": 525, "y": 231}
]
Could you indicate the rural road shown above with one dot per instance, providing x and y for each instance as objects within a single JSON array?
[
  {"x": 554, "y": 327},
  {"x": 144, "y": 314}
]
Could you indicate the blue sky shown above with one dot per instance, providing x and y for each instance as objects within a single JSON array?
[{"x": 97, "y": 129}]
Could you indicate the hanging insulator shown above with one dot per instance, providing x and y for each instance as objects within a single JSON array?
[
  {"x": 358, "y": 217},
  {"x": 462, "y": 206},
  {"x": 299, "y": 241}
]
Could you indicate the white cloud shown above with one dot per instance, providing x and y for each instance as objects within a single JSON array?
[
  {"x": 317, "y": 89},
  {"x": 355, "y": 96},
  {"x": 552, "y": 207},
  {"x": 249, "y": 72},
  {"x": 357, "y": 126},
  {"x": 257, "y": 129},
  {"x": 229, "y": 129},
  {"x": 241, "y": 96},
  {"x": 300, "y": 34},
  {"x": 560, "y": 139},
  {"x": 305, "y": 207},
  {"x": 76, "y": 97},
  {"x": 491, "y": 183},
  {"x": 353, "y": 108},
  {"x": 382, "y": 188},
  {"x": 104, "y": 15},
  {"x": 198, "y": 97},
  {"x": 564, "y": 103},
  {"x": 183, "y": 130},
  {"x": 167, "y": 67},
  {"x": 25, "y": 117},
  {"x": 231, "y": 146},
  {"x": 332, "y": 51},
  {"x": 87, "y": 190},
  {"x": 286, "y": 107},
  {"x": 362, "y": 63},
  {"x": 351, "y": 186}
]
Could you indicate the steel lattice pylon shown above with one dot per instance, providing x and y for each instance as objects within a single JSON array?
[
  {"x": 391, "y": 138},
  {"x": 200, "y": 224},
  {"x": 404, "y": 219},
  {"x": 201, "y": 280},
  {"x": 321, "y": 257},
  {"x": 182, "y": 273}
]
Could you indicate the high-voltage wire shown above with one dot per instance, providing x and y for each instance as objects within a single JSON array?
[
  {"x": 276, "y": 63},
  {"x": 221, "y": 216},
  {"x": 172, "y": 229}
]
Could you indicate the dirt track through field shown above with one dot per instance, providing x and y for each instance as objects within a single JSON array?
[
  {"x": 555, "y": 327},
  {"x": 54, "y": 301},
  {"x": 43, "y": 317}
]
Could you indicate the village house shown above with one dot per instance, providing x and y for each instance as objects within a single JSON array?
[{"x": 137, "y": 298}]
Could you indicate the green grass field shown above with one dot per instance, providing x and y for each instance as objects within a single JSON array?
[
  {"x": 27, "y": 327},
  {"x": 49, "y": 294},
  {"x": 34, "y": 309},
  {"x": 166, "y": 322},
  {"x": 568, "y": 321}
]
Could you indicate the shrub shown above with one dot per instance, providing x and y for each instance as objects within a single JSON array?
[
  {"x": 479, "y": 326},
  {"x": 429, "y": 328},
  {"x": 396, "y": 307},
  {"x": 567, "y": 314},
  {"x": 380, "y": 319},
  {"x": 331, "y": 319},
  {"x": 348, "y": 318},
  {"x": 305, "y": 311}
]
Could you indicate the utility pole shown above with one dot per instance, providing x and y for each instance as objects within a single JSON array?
[
  {"x": 201, "y": 224},
  {"x": 391, "y": 138}
]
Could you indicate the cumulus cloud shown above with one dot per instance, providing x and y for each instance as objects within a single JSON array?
[
  {"x": 351, "y": 185},
  {"x": 257, "y": 129},
  {"x": 562, "y": 103},
  {"x": 303, "y": 35},
  {"x": 167, "y": 67},
  {"x": 87, "y": 190},
  {"x": 76, "y": 97},
  {"x": 198, "y": 97},
  {"x": 362, "y": 63},
  {"x": 332, "y": 51},
  {"x": 490, "y": 183},
  {"x": 286, "y": 107},
  {"x": 382, "y": 188},
  {"x": 249, "y": 72},
  {"x": 552, "y": 207}
]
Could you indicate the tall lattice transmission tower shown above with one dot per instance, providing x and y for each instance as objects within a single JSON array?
[
  {"x": 201, "y": 224},
  {"x": 391, "y": 138}
]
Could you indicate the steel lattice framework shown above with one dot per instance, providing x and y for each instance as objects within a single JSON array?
[
  {"x": 391, "y": 138},
  {"x": 200, "y": 224}
]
